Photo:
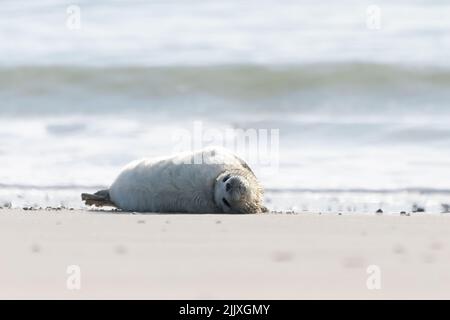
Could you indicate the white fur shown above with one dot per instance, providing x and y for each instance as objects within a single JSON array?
[{"x": 174, "y": 184}]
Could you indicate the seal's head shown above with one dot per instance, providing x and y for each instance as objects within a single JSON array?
[{"x": 238, "y": 191}]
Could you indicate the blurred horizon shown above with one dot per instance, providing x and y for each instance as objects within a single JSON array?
[{"x": 194, "y": 32}]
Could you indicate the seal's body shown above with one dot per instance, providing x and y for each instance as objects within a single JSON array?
[{"x": 211, "y": 180}]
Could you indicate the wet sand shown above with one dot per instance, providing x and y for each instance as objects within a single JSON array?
[{"x": 175, "y": 256}]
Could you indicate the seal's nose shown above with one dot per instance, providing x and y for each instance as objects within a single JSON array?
[{"x": 228, "y": 187}]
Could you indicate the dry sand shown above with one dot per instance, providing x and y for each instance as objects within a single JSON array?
[{"x": 274, "y": 256}]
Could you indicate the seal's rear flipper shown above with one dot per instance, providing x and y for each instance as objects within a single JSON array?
[{"x": 98, "y": 199}]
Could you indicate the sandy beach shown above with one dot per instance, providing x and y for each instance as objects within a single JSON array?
[{"x": 272, "y": 256}]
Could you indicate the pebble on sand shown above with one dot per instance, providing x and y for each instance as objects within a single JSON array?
[{"x": 7, "y": 205}]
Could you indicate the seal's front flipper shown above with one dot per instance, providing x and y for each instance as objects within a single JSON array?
[{"x": 98, "y": 199}]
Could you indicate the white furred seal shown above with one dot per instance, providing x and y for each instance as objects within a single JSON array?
[{"x": 212, "y": 180}]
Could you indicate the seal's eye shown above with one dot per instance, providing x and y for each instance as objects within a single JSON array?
[
  {"x": 226, "y": 202},
  {"x": 226, "y": 178}
]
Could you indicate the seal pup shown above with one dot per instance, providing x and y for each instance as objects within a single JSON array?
[{"x": 212, "y": 180}]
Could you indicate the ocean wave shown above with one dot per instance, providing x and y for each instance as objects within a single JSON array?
[
  {"x": 350, "y": 88},
  {"x": 245, "y": 80}
]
